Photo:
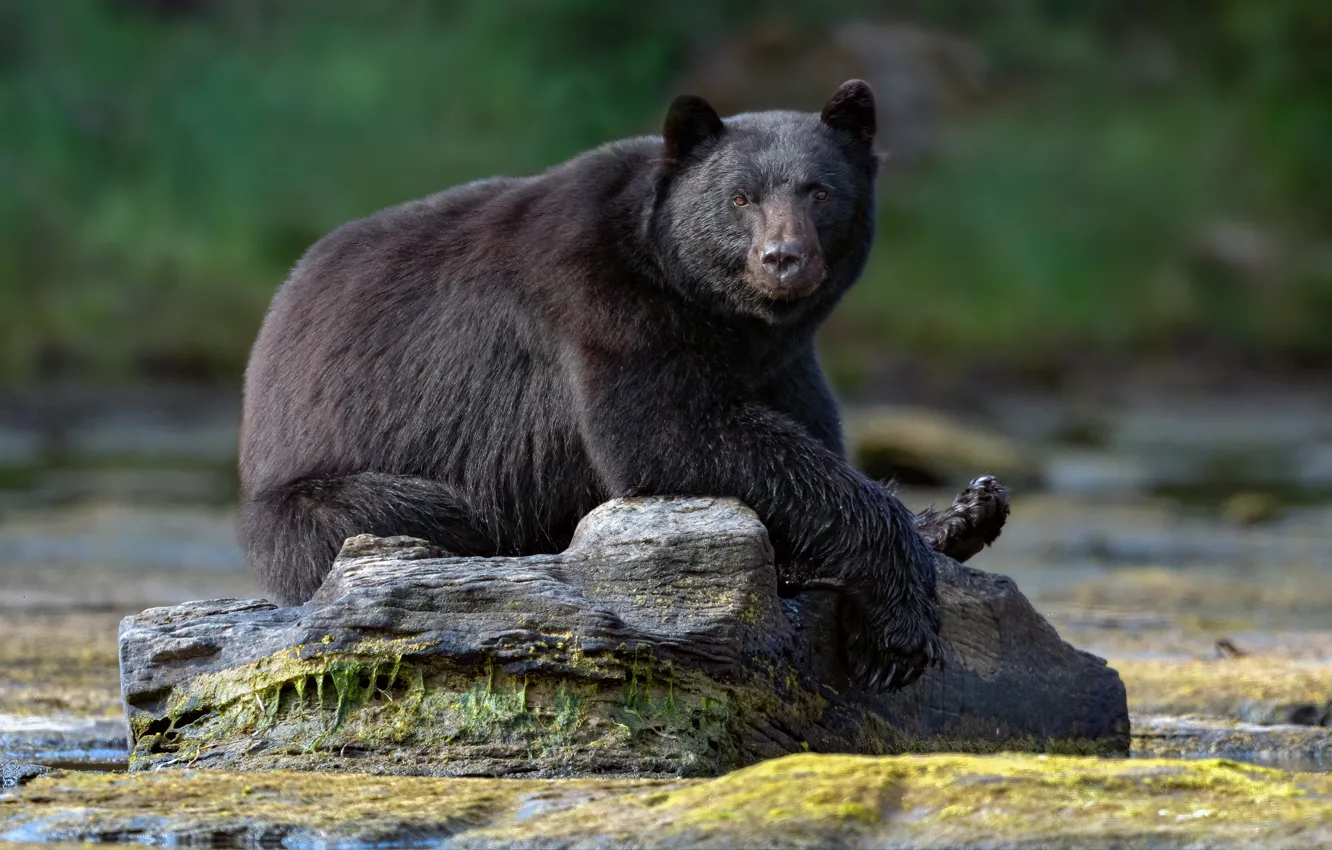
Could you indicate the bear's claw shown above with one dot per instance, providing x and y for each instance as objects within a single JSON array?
[
  {"x": 972, "y": 522},
  {"x": 897, "y": 659}
]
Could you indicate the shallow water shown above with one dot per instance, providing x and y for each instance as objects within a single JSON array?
[{"x": 111, "y": 503}]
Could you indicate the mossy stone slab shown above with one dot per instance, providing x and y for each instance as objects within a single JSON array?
[
  {"x": 800, "y": 801},
  {"x": 655, "y": 645}
]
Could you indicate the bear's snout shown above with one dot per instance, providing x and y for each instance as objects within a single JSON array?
[
  {"x": 783, "y": 260},
  {"x": 786, "y": 269}
]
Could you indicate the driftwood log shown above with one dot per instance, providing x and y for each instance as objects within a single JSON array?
[{"x": 656, "y": 644}]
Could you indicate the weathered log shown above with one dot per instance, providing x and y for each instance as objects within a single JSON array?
[{"x": 655, "y": 644}]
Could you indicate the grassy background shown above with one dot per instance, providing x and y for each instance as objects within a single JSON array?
[{"x": 164, "y": 162}]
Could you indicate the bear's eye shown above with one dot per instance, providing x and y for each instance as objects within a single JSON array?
[
  {"x": 739, "y": 200},
  {"x": 820, "y": 194}
]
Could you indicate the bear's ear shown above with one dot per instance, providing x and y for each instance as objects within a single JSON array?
[
  {"x": 851, "y": 110},
  {"x": 689, "y": 122}
]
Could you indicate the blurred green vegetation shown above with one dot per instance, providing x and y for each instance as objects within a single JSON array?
[{"x": 165, "y": 162}]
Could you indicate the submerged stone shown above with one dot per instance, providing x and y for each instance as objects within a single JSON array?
[
  {"x": 1259, "y": 689},
  {"x": 655, "y": 645},
  {"x": 920, "y": 446},
  {"x": 1287, "y": 746}
]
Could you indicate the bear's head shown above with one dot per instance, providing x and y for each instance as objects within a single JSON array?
[{"x": 766, "y": 214}]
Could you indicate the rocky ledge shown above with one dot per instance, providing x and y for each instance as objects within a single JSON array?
[{"x": 655, "y": 645}]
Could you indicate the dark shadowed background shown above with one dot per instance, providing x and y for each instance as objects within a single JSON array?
[{"x": 1103, "y": 270}]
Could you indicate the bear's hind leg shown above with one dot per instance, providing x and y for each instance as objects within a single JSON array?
[{"x": 290, "y": 534}]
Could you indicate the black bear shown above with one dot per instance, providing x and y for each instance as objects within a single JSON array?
[{"x": 483, "y": 367}]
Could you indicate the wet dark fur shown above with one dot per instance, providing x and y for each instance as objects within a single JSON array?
[
  {"x": 483, "y": 367},
  {"x": 971, "y": 523}
]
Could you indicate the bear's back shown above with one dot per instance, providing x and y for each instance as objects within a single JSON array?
[{"x": 407, "y": 342}]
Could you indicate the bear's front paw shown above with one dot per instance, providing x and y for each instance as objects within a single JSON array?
[
  {"x": 971, "y": 523},
  {"x": 889, "y": 650}
]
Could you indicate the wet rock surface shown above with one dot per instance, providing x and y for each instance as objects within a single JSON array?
[
  {"x": 1286, "y": 746},
  {"x": 656, "y": 644},
  {"x": 65, "y": 740},
  {"x": 16, "y": 773},
  {"x": 804, "y": 800},
  {"x": 58, "y": 690},
  {"x": 1153, "y": 584}
]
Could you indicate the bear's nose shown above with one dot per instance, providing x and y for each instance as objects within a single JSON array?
[{"x": 783, "y": 259}]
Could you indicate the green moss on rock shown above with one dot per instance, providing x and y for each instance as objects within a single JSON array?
[
  {"x": 309, "y": 707},
  {"x": 396, "y": 707}
]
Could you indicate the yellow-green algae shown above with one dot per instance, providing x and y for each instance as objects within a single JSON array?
[
  {"x": 801, "y": 800},
  {"x": 59, "y": 663},
  {"x": 1199, "y": 601},
  {"x": 392, "y": 697},
  {"x": 1222, "y": 687},
  {"x": 412, "y": 712},
  {"x": 205, "y": 806},
  {"x": 811, "y": 800}
]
